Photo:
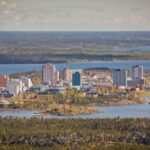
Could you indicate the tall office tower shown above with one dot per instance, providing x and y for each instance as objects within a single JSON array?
[
  {"x": 76, "y": 78},
  {"x": 137, "y": 72},
  {"x": 56, "y": 76},
  {"x": 120, "y": 77},
  {"x": 66, "y": 75},
  {"x": 4, "y": 80},
  {"x": 49, "y": 74},
  {"x": 137, "y": 77}
]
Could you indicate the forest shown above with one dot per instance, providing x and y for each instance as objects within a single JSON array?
[{"x": 57, "y": 47}]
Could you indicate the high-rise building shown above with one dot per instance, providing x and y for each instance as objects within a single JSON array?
[
  {"x": 120, "y": 77},
  {"x": 76, "y": 78},
  {"x": 137, "y": 72},
  {"x": 15, "y": 86},
  {"x": 49, "y": 74},
  {"x": 4, "y": 80},
  {"x": 66, "y": 75},
  {"x": 137, "y": 79},
  {"x": 56, "y": 76}
]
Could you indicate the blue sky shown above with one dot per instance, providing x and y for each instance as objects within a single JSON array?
[{"x": 75, "y": 15}]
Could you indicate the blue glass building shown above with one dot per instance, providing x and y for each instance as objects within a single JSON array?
[{"x": 76, "y": 78}]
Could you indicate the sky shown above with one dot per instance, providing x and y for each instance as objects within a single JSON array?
[{"x": 74, "y": 15}]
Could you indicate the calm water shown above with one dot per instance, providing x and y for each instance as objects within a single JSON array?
[
  {"x": 128, "y": 111},
  {"x": 133, "y": 49},
  {"x": 19, "y": 68}
]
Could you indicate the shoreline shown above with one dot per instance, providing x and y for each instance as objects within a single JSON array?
[
  {"x": 76, "y": 62},
  {"x": 90, "y": 108}
]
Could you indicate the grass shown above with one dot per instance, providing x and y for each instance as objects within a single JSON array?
[{"x": 72, "y": 134}]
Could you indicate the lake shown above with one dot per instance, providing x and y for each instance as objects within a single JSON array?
[
  {"x": 127, "y": 111},
  {"x": 20, "y": 68}
]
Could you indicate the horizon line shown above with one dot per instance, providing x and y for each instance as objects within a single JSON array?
[{"x": 74, "y": 31}]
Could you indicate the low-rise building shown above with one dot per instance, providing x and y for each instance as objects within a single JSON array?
[
  {"x": 92, "y": 94},
  {"x": 6, "y": 94},
  {"x": 56, "y": 90},
  {"x": 118, "y": 95},
  {"x": 4, "y": 80},
  {"x": 85, "y": 88},
  {"x": 135, "y": 83},
  {"x": 27, "y": 82},
  {"x": 4, "y": 103},
  {"x": 35, "y": 89},
  {"x": 15, "y": 86}
]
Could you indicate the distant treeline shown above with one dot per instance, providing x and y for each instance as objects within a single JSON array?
[{"x": 41, "y": 47}]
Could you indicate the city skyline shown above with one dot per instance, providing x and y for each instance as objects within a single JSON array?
[{"x": 65, "y": 15}]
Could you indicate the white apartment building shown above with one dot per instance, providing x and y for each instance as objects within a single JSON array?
[
  {"x": 27, "y": 83},
  {"x": 120, "y": 77},
  {"x": 15, "y": 86},
  {"x": 137, "y": 72}
]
